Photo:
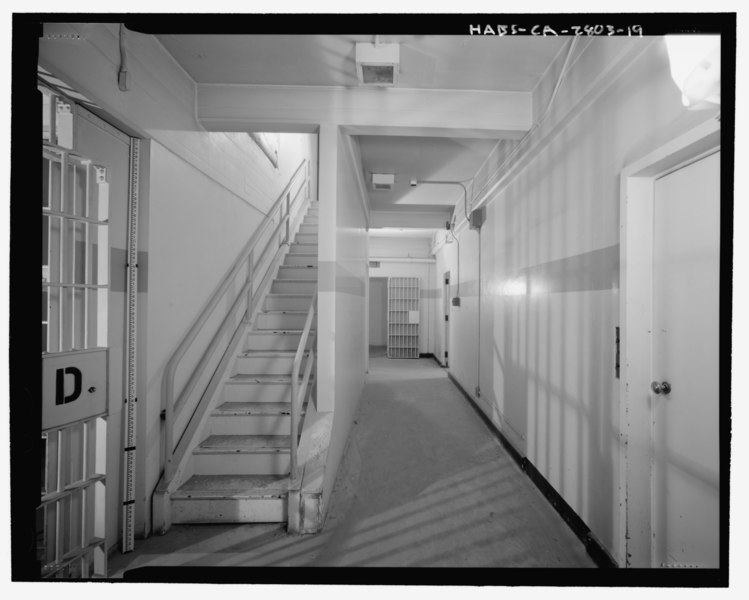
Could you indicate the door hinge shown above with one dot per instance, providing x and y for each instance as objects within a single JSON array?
[
  {"x": 616, "y": 364},
  {"x": 445, "y": 353},
  {"x": 447, "y": 318},
  {"x": 447, "y": 282}
]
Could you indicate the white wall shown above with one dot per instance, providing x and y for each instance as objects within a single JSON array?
[
  {"x": 378, "y": 311},
  {"x": 205, "y": 194},
  {"x": 542, "y": 345},
  {"x": 343, "y": 294}
]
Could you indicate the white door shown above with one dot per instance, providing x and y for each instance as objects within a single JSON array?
[{"x": 686, "y": 259}]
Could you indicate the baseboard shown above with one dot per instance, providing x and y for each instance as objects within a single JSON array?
[
  {"x": 432, "y": 356},
  {"x": 595, "y": 549}
]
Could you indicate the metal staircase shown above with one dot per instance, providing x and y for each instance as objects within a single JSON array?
[
  {"x": 232, "y": 427},
  {"x": 241, "y": 467}
]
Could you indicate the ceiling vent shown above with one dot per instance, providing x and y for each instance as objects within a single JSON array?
[
  {"x": 383, "y": 181},
  {"x": 377, "y": 64}
]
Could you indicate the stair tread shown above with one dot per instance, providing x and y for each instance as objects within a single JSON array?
[
  {"x": 251, "y": 379},
  {"x": 267, "y": 353},
  {"x": 290, "y": 295},
  {"x": 275, "y": 331},
  {"x": 243, "y": 444},
  {"x": 234, "y": 486},
  {"x": 298, "y": 266},
  {"x": 253, "y": 408},
  {"x": 296, "y": 280}
]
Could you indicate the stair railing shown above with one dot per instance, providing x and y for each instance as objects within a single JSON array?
[
  {"x": 298, "y": 392},
  {"x": 248, "y": 295}
]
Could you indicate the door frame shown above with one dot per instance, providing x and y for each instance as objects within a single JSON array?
[
  {"x": 446, "y": 310},
  {"x": 635, "y": 287}
]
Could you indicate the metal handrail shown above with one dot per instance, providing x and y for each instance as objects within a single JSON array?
[
  {"x": 246, "y": 256},
  {"x": 298, "y": 392}
]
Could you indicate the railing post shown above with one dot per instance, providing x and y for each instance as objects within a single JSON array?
[
  {"x": 294, "y": 423},
  {"x": 250, "y": 278},
  {"x": 288, "y": 217},
  {"x": 168, "y": 429}
]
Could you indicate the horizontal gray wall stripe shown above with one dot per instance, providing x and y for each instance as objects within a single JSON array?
[
  {"x": 344, "y": 281},
  {"x": 432, "y": 293},
  {"x": 587, "y": 272}
]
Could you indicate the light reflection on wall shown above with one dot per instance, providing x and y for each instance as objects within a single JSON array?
[{"x": 517, "y": 286}]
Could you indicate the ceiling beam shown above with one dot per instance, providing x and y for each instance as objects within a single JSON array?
[
  {"x": 415, "y": 220},
  {"x": 457, "y": 113}
]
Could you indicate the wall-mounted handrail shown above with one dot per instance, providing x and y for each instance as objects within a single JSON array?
[
  {"x": 246, "y": 256},
  {"x": 298, "y": 392}
]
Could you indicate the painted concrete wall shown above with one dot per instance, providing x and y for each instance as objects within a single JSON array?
[
  {"x": 343, "y": 294},
  {"x": 378, "y": 294},
  {"x": 206, "y": 192},
  {"x": 399, "y": 247},
  {"x": 541, "y": 347}
]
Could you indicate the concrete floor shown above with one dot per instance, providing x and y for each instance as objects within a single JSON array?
[{"x": 423, "y": 483}]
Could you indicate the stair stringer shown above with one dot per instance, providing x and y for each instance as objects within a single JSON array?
[{"x": 306, "y": 506}]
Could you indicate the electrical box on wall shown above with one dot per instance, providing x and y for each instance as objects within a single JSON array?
[
  {"x": 456, "y": 301},
  {"x": 477, "y": 217}
]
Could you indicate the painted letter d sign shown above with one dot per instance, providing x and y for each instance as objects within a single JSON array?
[{"x": 60, "y": 397}]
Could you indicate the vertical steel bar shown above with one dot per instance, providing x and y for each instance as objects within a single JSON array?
[
  {"x": 53, "y": 119},
  {"x": 86, "y": 253},
  {"x": 84, "y": 476},
  {"x": 58, "y": 511}
]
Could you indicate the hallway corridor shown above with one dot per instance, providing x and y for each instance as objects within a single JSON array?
[{"x": 423, "y": 483}]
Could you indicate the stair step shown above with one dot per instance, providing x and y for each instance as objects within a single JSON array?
[
  {"x": 275, "y": 302},
  {"x": 297, "y": 272},
  {"x": 306, "y": 238},
  {"x": 234, "y": 486},
  {"x": 297, "y": 248},
  {"x": 276, "y": 362},
  {"x": 258, "y": 388},
  {"x": 251, "y": 418},
  {"x": 236, "y": 409},
  {"x": 294, "y": 286},
  {"x": 308, "y": 228},
  {"x": 231, "y": 499},
  {"x": 283, "y": 319},
  {"x": 299, "y": 259},
  {"x": 244, "y": 444},
  {"x": 274, "y": 339},
  {"x": 242, "y": 455}
]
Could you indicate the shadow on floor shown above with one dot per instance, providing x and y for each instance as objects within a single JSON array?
[{"x": 423, "y": 483}]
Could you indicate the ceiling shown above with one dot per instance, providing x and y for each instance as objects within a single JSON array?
[
  {"x": 426, "y": 61},
  {"x": 513, "y": 64}
]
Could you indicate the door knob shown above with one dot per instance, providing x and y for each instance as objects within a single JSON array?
[{"x": 663, "y": 387}]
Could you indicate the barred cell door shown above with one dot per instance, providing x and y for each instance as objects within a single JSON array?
[{"x": 80, "y": 185}]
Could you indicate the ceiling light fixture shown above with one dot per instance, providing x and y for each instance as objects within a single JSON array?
[
  {"x": 377, "y": 64},
  {"x": 695, "y": 68}
]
